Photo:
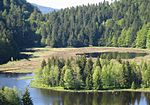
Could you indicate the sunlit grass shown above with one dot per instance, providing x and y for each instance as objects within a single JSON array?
[
  {"x": 25, "y": 78},
  {"x": 38, "y": 54},
  {"x": 34, "y": 84}
]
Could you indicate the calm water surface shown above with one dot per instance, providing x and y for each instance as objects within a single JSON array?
[
  {"x": 47, "y": 97},
  {"x": 114, "y": 55}
]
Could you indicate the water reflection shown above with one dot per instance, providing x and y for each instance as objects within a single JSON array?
[
  {"x": 108, "y": 98},
  {"x": 114, "y": 55},
  {"x": 48, "y": 97}
]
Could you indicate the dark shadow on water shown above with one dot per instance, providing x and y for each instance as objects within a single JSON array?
[
  {"x": 24, "y": 56},
  {"x": 97, "y": 98},
  {"x": 29, "y": 50},
  {"x": 14, "y": 75},
  {"x": 113, "y": 55},
  {"x": 19, "y": 56}
]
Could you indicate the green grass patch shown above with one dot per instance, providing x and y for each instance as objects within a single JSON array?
[
  {"x": 34, "y": 84},
  {"x": 25, "y": 77}
]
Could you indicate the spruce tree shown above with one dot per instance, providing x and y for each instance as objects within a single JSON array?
[
  {"x": 133, "y": 86},
  {"x": 43, "y": 64},
  {"x": 97, "y": 78},
  {"x": 26, "y": 99}
]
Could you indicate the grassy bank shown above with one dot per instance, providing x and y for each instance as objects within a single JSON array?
[
  {"x": 25, "y": 78},
  {"x": 38, "y": 54},
  {"x": 61, "y": 89}
]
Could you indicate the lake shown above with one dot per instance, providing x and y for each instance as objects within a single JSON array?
[
  {"x": 113, "y": 55},
  {"x": 48, "y": 97}
]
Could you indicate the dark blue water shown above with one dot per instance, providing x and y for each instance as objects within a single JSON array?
[{"x": 48, "y": 97}]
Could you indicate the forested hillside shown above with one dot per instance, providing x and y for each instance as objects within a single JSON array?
[
  {"x": 124, "y": 23},
  {"x": 15, "y": 29}
]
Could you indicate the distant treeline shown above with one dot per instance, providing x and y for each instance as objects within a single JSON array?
[
  {"x": 123, "y": 23},
  {"x": 86, "y": 74}
]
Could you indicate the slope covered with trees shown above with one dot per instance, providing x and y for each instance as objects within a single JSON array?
[
  {"x": 82, "y": 73},
  {"x": 124, "y": 23},
  {"x": 15, "y": 29}
]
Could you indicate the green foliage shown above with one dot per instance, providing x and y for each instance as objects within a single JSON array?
[
  {"x": 88, "y": 82},
  {"x": 97, "y": 75},
  {"x": 43, "y": 64},
  {"x": 9, "y": 96},
  {"x": 15, "y": 30},
  {"x": 127, "y": 74},
  {"x": 104, "y": 24},
  {"x": 125, "y": 39},
  {"x": 148, "y": 40},
  {"x": 107, "y": 77},
  {"x": 97, "y": 84},
  {"x": 68, "y": 79},
  {"x": 146, "y": 77},
  {"x": 141, "y": 36},
  {"x": 133, "y": 86},
  {"x": 26, "y": 98},
  {"x": 119, "y": 24},
  {"x": 88, "y": 74}
]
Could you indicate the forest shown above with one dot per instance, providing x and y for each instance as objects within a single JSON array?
[
  {"x": 11, "y": 96},
  {"x": 87, "y": 74},
  {"x": 123, "y": 23},
  {"x": 15, "y": 30}
]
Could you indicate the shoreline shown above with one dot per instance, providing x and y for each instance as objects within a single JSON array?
[
  {"x": 2, "y": 72},
  {"x": 61, "y": 89},
  {"x": 16, "y": 72},
  {"x": 29, "y": 65}
]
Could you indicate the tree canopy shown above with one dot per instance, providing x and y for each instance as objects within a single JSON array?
[
  {"x": 97, "y": 75},
  {"x": 15, "y": 29},
  {"x": 119, "y": 24}
]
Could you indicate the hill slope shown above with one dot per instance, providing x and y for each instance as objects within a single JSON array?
[
  {"x": 43, "y": 9},
  {"x": 15, "y": 29},
  {"x": 122, "y": 23}
]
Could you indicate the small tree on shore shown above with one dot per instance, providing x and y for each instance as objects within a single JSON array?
[
  {"x": 26, "y": 99},
  {"x": 43, "y": 64},
  {"x": 133, "y": 86}
]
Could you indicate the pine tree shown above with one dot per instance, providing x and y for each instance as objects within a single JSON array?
[
  {"x": 133, "y": 86},
  {"x": 97, "y": 84},
  {"x": 26, "y": 99},
  {"x": 148, "y": 40},
  {"x": 68, "y": 79},
  {"x": 43, "y": 64},
  {"x": 141, "y": 37},
  {"x": 88, "y": 82},
  {"x": 87, "y": 77}
]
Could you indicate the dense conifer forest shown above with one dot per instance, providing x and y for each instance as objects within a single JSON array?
[
  {"x": 123, "y": 23},
  {"x": 15, "y": 29}
]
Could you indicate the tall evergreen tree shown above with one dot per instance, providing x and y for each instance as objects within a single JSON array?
[
  {"x": 97, "y": 83},
  {"x": 26, "y": 99}
]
